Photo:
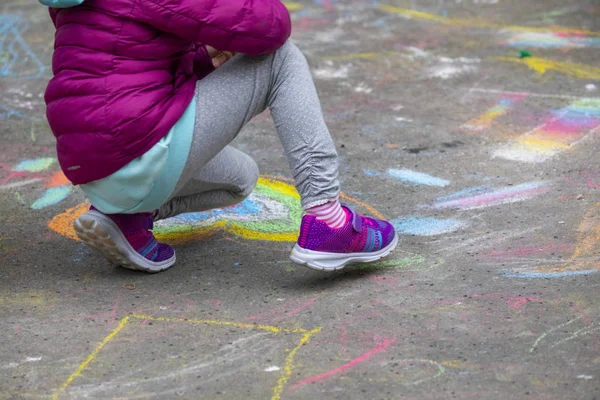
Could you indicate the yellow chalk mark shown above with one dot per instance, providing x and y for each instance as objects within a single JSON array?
[
  {"x": 474, "y": 23},
  {"x": 255, "y": 235},
  {"x": 63, "y": 223},
  {"x": 267, "y": 328},
  {"x": 587, "y": 252},
  {"x": 289, "y": 364},
  {"x": 90, "y": 358},
  {"x": 543, "y": 146},
  {"x": 293, "y": 6},
  {"x": 277, "y": 390},
  {"x": 30, "y": 298},
  {"x": 543, "y": 65}
]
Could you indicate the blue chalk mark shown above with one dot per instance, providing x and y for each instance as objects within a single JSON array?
[
  {"x": 52, "y": 196},
  {"x": 427, "y": 226},
  {"x": 7, "y": 112},
  {"x": 247, "y": 207},
  {"x": 417, "y": 178},
  {"x": 81, "y": 252},
  {"x": 466, "y": 192},
  {"x": 540, "y": 275},
  {"x": 13, "y": 47},
  {"x": 371, "y": 173}
]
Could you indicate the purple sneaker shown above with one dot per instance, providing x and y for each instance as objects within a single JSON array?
[
  {"x": 361, "y": 240},
  {"x": 125, "y": 240}
]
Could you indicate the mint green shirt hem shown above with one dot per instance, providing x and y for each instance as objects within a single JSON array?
[{"x": 147, "y": 182}]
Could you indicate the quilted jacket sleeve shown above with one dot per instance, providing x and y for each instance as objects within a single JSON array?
[{"x": 250, "y": 27}]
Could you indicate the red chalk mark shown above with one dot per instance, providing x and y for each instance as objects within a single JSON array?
[
  {"x": 378, "y": 349},
  {"x": 517, "y": 302}
]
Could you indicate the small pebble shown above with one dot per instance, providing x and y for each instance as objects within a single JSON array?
[
  {"x": 590, "y": 87},
  {"x": 580, "y": 197}
]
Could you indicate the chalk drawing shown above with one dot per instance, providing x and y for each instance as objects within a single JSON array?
[
  {"x": 277, "y": 389},
  {"x": 561, "y": 131},
  {"x": 466, "y": 192},
  {"x": 564, "y": 333},
  {"x": 52, "y": 196},
  {"x": 381, "y": 347},
  {"x": 549, "y": 40},
  {"x": 410, "y": 262},
  {"x": 329, "y": 72},
  {"x": 58, "y": 187},
  {"x": 16, "y": 57},
  {"x": 35, "y": 165},
  {"x": 293, "y": 6},
  {"x": 543, "y": 65},
  {"x": 417, "y": 178},
  {"x": 272, "y": 213},
  {"x": 505, "y": 195},
  {"x": 474, "y": 23},
  {"x": 503, "y": 106},
  {"x": 451, "y": 68},
  {"x": 427, "y": 226},
  {"x": 7, "y": 112},
  {"x": 585, "y": 259}
]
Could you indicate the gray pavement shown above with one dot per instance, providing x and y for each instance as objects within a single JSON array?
[{"x": 486, "y": 162}]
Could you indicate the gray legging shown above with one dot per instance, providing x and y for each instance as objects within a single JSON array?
[{"x": 217, "y": 175}]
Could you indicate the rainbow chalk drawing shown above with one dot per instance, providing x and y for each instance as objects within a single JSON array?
[
  {"x": 416, "y": 178},
  {"x": 505, "y": 195},
  {"x": 561, "y": 131},
  {"x": 503, "y": 106},
  {"x": 585, "y": 259},
  {"x": 272, "y": 213},
  {"x": 549, "y": 40},
  {"x": 427, "y": 226}
]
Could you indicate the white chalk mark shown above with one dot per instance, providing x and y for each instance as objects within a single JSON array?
[
  {"x": 545, "y": 95},
  {"x": 33, "y": 359},
  {"x": 585, "y": 377},
  {"x": 272, "y": 368},
  {"x": 19, "y": 184}
]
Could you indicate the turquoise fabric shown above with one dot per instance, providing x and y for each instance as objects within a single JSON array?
[
  {"x": 61, "y": 3},
  {"x": 147, "y": 182}
]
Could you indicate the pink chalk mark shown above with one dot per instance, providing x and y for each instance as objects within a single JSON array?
[
  {"x": 517, "y": 302},
  {"x": 302, "y": 307},
  {"x": 590, "y": 182},
  {"x": 489, "y": 198},
  {"x": 113, "y": 314},
  {"x": 364, "y": 357}
]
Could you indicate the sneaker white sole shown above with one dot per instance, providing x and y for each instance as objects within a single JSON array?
[
  {"x": 100, "y": 233},
  {"x": 322, "y": 261}
]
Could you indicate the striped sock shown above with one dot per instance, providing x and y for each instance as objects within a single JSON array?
[{"x": 331, "y": 213}]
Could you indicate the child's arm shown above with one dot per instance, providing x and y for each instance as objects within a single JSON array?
[{"x": 241, "y": 26}]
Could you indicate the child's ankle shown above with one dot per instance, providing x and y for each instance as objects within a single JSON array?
[{"x": 331, "y": 213}]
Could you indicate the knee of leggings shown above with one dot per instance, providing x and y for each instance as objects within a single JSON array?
[{"x": 252, "y": 174}]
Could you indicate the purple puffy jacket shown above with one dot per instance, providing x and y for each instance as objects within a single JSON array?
[{"x": 125, "y": 70}]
